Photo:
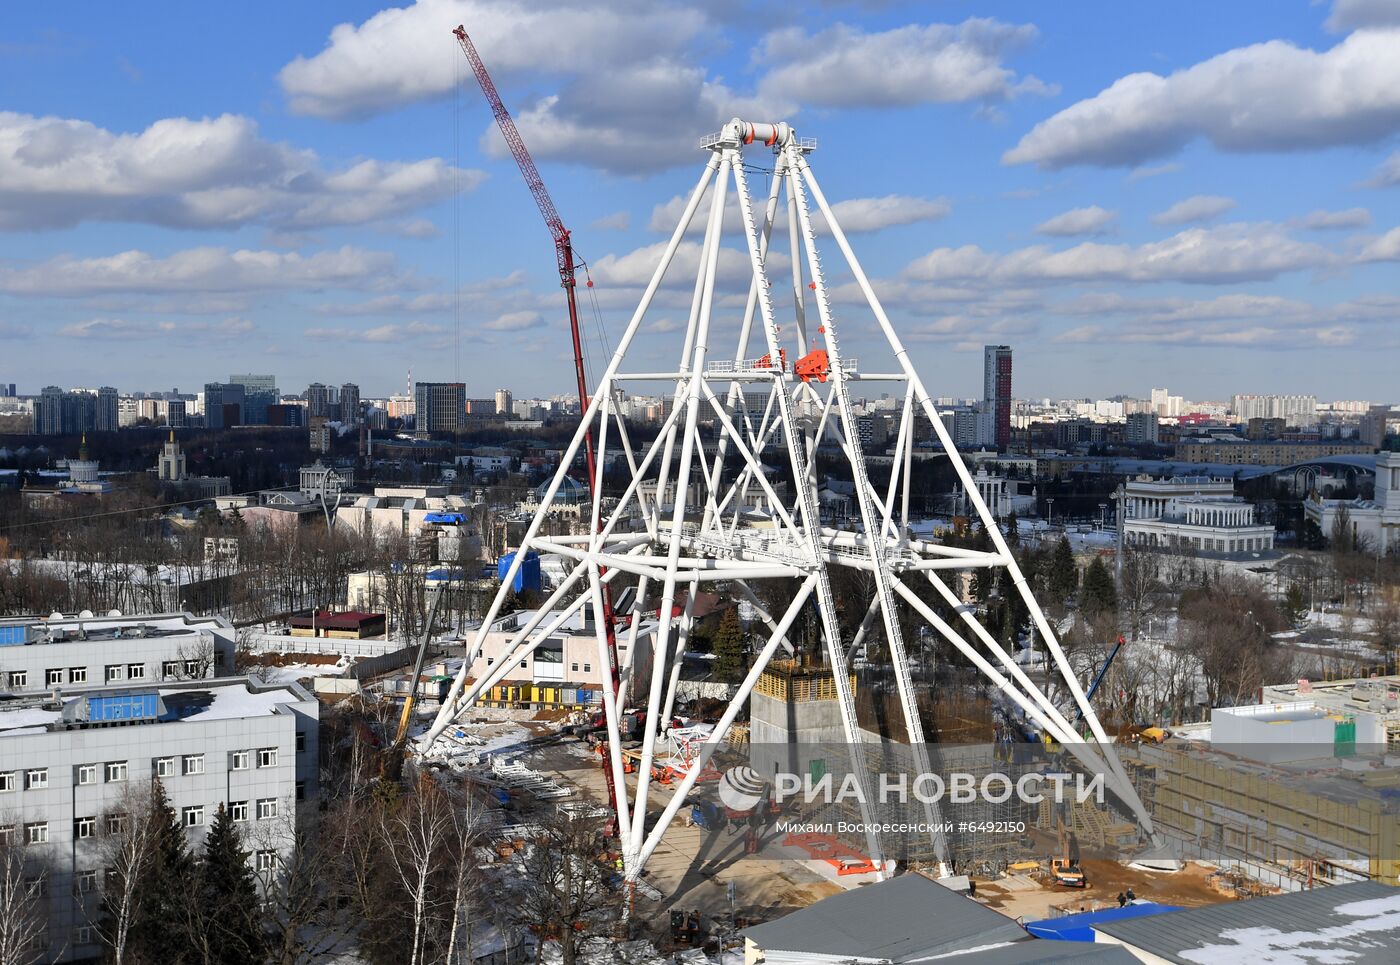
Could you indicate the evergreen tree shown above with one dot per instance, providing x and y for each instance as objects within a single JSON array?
[
  {"x": 983, "y": 578},
  {"x": 1013, "y": 531},
  {"x": 731, "y": 657},
  {"x": 228, "y": 895},
  {"x": 1063, "y": 577},
  {"x": 1295, "y": 604},
  {"x": 1099, "y": 595},
  {"x": 157, "y": 929}
]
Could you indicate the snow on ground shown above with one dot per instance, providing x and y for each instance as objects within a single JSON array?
[{"x": 293, "y": 672}]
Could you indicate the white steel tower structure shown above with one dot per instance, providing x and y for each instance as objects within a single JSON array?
[{"x": 727, "y": 522}]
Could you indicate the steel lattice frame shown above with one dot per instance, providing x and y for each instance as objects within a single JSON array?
[{"x": 644, "y": 536}]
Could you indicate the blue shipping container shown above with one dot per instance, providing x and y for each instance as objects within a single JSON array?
[
  {"x": 527, "y": 577},
  {"x": 123, "y": 707},
  {"x": 13, "y": 635}
]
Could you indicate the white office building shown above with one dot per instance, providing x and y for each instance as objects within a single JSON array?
[
  {"x": 1191, "y": 514},
  {"x": 43, "y": 654},
  {"x": 72, "y": 768},
  {"x": 1375, "y": 523}
]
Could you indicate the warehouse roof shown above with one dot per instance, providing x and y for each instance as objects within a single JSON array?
[
  {"x": 1353, "y": 923},
  {"x": 898, "y": 920}
]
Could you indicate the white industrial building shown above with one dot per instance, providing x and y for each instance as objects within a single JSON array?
[
  {"x": 1375, "y": 523},
  {"x": 398, "y": 510},
  {"x": 71, "y": 765},
  {"x": 44, "y": 654},
  {"x": 1190, "y": 514}
]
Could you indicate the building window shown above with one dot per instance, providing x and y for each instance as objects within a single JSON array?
[
  {"x": 573, "y": 667},
  {"x": 36, "y": 777},
  {"x": 136, "y": 671},
  {"x": 267, "y": 808},
  {"x": 87, "y": 773},
  {"x": 53, "y": 677},
  {"x": 115, "y": 672},
  {"x": 301, "y": 742},
  {"x": 37, "y": 833},
  {"x": 84, "y": 883},
  {"x": 238, "y": 810},
  {"x": 267, "y": 757},
  {"x": 587, "y": 668},
  {"x": 490, "y": 661},
  {"x": 84, "y": 828},
  {"x": 37, "y": 886},
  {"x": 267, "y": 860},
  {"x": 83, "y": 935},
  {"x": 240, "y": 761},
  {"x": 301, "y": 790},
  {"x": 194, "y": 764},
  {"x": 165, "y": 767},
  {"x": 170, "y": 668},
  {"x": 18, "y": 679},
  {"x": 192, "y": 817},
  {"x": 7, "y": 834},
  {"x": 116, "y": 823},
  {"x": 77, "y": 675},
  {"x": 115, "y": 772},
  {"x": 522, "y": 663},
  {"x": 7, "y": 781},
  {"x": 192, "y": 668}
]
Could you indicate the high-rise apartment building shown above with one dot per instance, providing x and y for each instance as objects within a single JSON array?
[
  {"x": 503, "y": 401},
  {"x": 350, "y": 403},
  {"x": 318, "y": 399},
  {"x": 1141, "y": 428},
  {"x": 438, "y": 407},
  {"x": 996, "y": 395},
  {"x": 57, "y": 412}
]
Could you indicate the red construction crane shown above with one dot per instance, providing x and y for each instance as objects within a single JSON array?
[{"x": 564, "y": 253}]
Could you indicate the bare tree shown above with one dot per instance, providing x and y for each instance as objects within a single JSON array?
[
  {"x": 297, "y": 872},
  {"x": 1140, "y": 588},
  {"x": 128, "y": 845},
  {"x": 567, "y": 893},
  {"x": 23, "y": 918},
  {"x": 416, "y": 833}
]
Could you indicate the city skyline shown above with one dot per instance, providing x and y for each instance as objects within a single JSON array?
[{"x": 286, "y": 202}]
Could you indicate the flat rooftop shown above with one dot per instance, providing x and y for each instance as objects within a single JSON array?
[{"x": 224, "y": 698}]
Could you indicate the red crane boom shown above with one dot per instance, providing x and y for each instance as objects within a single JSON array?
[{"x": 564, "y": 253}]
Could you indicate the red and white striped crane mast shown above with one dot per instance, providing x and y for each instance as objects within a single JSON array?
[{"x": 564, "y": 254}]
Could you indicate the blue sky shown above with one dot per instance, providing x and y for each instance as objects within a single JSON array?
[{"x": 1199, "y": 195}]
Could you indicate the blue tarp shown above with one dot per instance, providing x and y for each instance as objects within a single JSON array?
[{"x": 1080, "y": 927}]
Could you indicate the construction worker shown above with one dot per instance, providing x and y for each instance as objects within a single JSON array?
[{"x": 1122, "y": 899}]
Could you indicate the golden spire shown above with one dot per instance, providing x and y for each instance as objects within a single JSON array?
[
  {"x": 82, "y": 448},
  {"x": 172, "y": 435}
]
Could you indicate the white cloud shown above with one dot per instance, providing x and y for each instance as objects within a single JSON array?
[
  {"x": 860, "y": 215},
  {"x": 1384, "y": 248},
  {"x": 13, "y": 330},
  {"x": 856, "y": 215},
  {"x": 205, "y": 270},
  {"x": 1388, "y": 174},
  {"x": 377, "y": 334},
  {"x": 1265, "y": 97},
  {"x": 1092, "y": 220},
  {"x": 406, "y": 54},
  {"x": 1199, "y": 207},
  {"x": 1153, "y": 170},
  {"x": 514, "y": 322},
  {"x": 212, "y": 172},
  {"x": 844, "y": 66},
  {"x": 119, "y": 329},
  {"x": 1221, "y": 255},
  {"x": 1350, "y": 14},
  {"x": 1335, "y": 220},
  {"x": 617, "y": 221}
]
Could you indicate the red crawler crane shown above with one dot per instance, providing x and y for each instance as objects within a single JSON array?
[{"x": 564, "y": 253}]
